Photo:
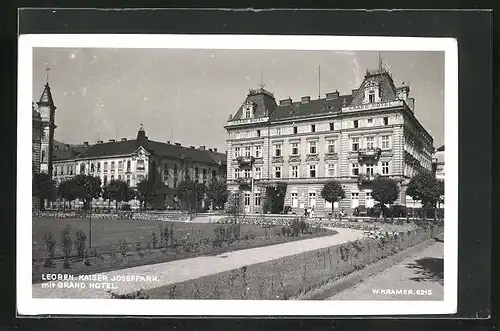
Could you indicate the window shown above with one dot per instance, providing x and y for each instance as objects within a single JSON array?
[
  {"x": 92, "y": 167},
  {"x": 82, "y": 168},
  {"x": 112, "y": 165},
  {"x": 43, "y": 156},
  {"x": 119, "y": 177},
  {"x": 258, "y": 173},
  {"x": 295, "y": 130},
  {"x": 369, "y": 169},
  {"x": 385, "y": 168},
  {"x": 277, "y": 150},
  {"x": 277, "y": 172},
  {"x": 355, "y": 144},
  {"x": 385, "y": 142},
  {"x": 313, "y": 128},
  {"x": 120, "y": 165},
  {"x": 248, "y": 113},
  {"x": 128, "y": 180},
  {"x": 370, "y": 143},
  {"x": 332, "y": 127},
  {"x": 128, "y": 165},
  {"x": 247, "y": 198},
  {"x": 248, "y": 151},
  {"x": 295, "y": 199},
  {"x": 98, "y": 166},
  {"x": 355, "y": 123},
  {"x": 368, "y": 195},
  {"x": 386, "y": 120},
  {"x": 258, "y": 150},
  {"x": 105, "y": 180},
  {"x": 237, "y": 152},
  {"x": 355, "y": 169},
  {"x": 112, "y": 177},
  {"x": 247, "y": 173},
  {"x": 354, "y": 195},
  {"x": 312, "y": 171},
  {"x": 331, "y": 146},
  {"x": 370, "y": 122},
  {"x": 312, "y": 147},
  {"x": 312, "y": 199},
  {"x": 331, "y": 170},
  {"x": 257, "y": 198},
  {"x": 295, "y": 148},
  {"x": 371, "y": 97},
  {"x": 237, "y": 173},
  {"x": 278, "y": 131},
  {"x": 140, "y": 164},
  {"x": 258, "y": 133},
  {"x": 196, "y": 174},
  {"x": 295, "y": 172}
]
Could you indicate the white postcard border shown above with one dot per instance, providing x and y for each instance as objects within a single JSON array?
[{"x": 26, "y": 305}]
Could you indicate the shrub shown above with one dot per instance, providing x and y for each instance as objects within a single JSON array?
[
  {"x": 126, "y": 206},
  {"x": 81, "y": 239},
  {"x": 154, "y": 239},
  {"x": 66, "y": 245},
  {"x": 50, "y": 247},
  {"x": 124, "y": 247},
  {"x": 287, "y": 209}
]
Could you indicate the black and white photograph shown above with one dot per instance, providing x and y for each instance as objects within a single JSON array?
[{"x": 238, "y": 175}]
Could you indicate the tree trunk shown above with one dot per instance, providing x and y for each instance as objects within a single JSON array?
[{"x": 109, "y": 205}]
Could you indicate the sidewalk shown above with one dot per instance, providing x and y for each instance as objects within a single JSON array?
[
  {"x": 419, "y": 277},
  {"x": 162, "y": 274}
]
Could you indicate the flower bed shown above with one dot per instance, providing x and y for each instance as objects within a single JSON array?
[
  {"x": 153, "y": 216},
  {"x": 290, "y": 276}
]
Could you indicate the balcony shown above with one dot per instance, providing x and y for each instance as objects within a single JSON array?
[
  {"x": 294, "y": 158},
  {"x": 331, "y": 156},
  {"x": 244, "y": 161},
  {"x": 366, "y": 179},
  {"x": 369, "y": 154}
]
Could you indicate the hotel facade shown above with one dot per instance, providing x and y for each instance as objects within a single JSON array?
[{"x": 373, "y": 131}]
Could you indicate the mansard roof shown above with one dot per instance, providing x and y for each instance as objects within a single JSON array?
[
  {"x": 263, "y": 101},
  {"x": 383, "y": 79},
  {"x": 311, "y": 108}
]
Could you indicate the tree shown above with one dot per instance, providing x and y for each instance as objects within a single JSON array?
[
  {"x": 67, "y": 191},
  {"x": 119, "y": 191},
  {"x": 217, "y": 193},
  {"x": 332, "y": 192},
  {"x": 44, "y": 188},
  {"x": 424, "y": 187},
  {"x": 385, "y": 191},
  {"x": 235, "y": 205},
  {"x": 190, "y": 194},
  {"x": 87, "y": 187}
]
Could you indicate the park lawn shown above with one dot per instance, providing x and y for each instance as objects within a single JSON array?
[{"x": 107, "y": 233}]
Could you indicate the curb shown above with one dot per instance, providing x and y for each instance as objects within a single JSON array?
[{"x": 326, "y": 291}]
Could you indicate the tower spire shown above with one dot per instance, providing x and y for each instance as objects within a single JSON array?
[
  {"x": 47, "y": 69},
  {"x": 379, "y": 61},
  {"x": 261, "y": 85},
  {"x": 319, "y": 81}
]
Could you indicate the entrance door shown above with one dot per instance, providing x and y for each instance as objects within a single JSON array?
[
  {"x": 247, "y": 202},
  {"x": 369, "y": 200}
]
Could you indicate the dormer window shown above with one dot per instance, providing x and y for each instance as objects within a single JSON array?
[
  {"x": 371, "y": 97},
  {"x": 248, "y": 109},
  {"x": 372, "y": 92}
]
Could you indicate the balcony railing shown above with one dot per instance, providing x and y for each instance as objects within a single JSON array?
[
  {"x": 366, "y": 178},
  {"x": 369, "y": 154},
  {"x": 245, "y": 161},
  {"x": 294, "y": 158}
]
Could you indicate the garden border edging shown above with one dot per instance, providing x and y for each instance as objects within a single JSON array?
[{"x": 326, "y": 291}]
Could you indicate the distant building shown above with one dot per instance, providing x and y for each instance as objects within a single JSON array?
[
  {"x": 137, "y": 159},
  {"x": 438, "y": 163},
  {"x": 352, "y": 138}
]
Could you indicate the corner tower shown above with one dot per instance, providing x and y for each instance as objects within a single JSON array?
[{"x": 47, "y": 111}]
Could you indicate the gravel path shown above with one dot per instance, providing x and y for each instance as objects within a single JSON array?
[{"x": 156, "y": 275}]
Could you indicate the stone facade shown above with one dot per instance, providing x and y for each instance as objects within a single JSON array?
[{"x": 350, "y": 138}]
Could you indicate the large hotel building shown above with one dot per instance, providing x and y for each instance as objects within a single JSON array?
[{"x": 350, "y": 138}]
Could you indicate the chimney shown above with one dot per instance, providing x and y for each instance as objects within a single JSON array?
[
  {"x": 210, "y": 150},
  {"x": 85, "y": 144},
  {"x": 286, "y": 102},
  {"x": 202, "y": 148},
  {"x": 168, "y": 142},
  {"x": 111, "y": 140},
  {"x": 215, "y": 150},
  {"x": 305, "y": 99},
  {"x": 411, "y": 104},
  {"x": 332, "y": 95},
  {"x": 124, "y": 139},
  {"x": 66, "y": 146},
  {"x": 99, "y": 141},
  {"x": 177, "y": 144}
]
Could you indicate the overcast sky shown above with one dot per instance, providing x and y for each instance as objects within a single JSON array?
[{"x": 187, "y": 95}]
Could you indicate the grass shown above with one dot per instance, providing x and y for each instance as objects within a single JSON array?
[
  {"x": 108, "y": 236},
  {"x": 107, "y": 233}
]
